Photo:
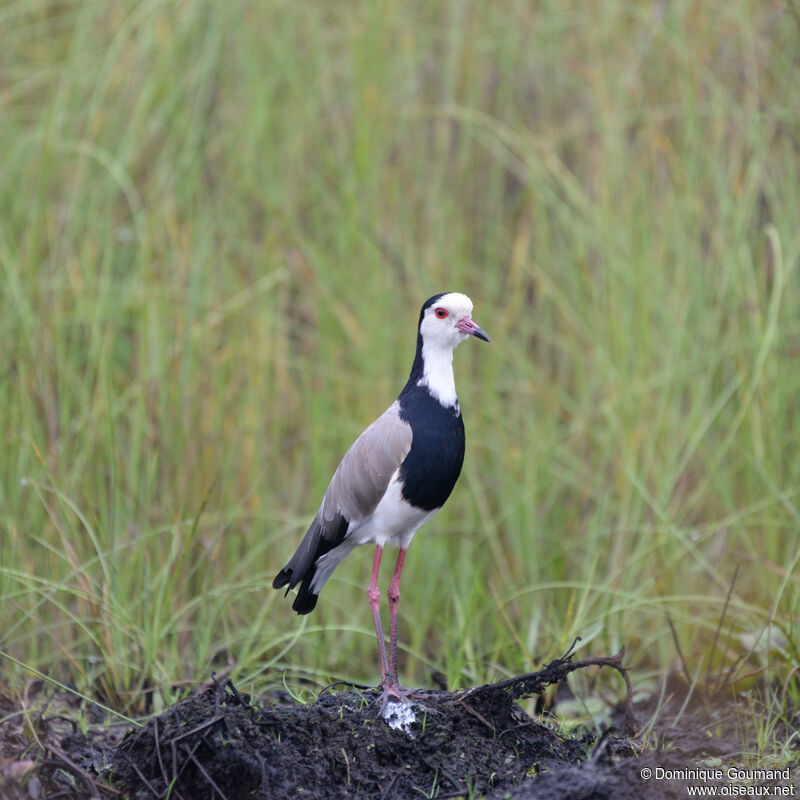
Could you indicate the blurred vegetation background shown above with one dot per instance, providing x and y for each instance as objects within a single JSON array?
[{"x": 218, "y": 222}]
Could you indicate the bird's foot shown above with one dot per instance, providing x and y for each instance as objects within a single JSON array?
[
  {"x": 396, "y": 708},
  {"x": 393, "y": 693}
]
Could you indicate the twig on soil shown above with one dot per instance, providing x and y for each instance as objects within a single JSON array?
[
  {"x": 65, "y": 764},
  {"x": 205, "y": 774},
  {"x": 475, "y": 714},
  {"x": 390, "y": 787},
  {"x": 227, "y": 683},
  {"x": 361, "y": 686},
  {"x": 190, "y": 753},
  {"x": 457, "y": 784},
  {"x": 142, "y": 778},
  {"x": 158, "y": 752},
  {"x": 601, "y": 745},
  {"x": 215, "y": 678},
  {"x": 557, "y": 670},
  {"x": 60, "y": 760},
  {"x": 213, "y": 721}
]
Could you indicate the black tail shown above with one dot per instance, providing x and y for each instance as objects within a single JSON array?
[
  {"x": 306, "y": 600},
  {"x": 319, "y": 539}
]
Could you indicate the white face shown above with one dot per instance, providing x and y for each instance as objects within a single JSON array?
[{"x": 438, "y": 326}]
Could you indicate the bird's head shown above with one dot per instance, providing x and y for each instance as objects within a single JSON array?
[{"x": 446, "y": 320}]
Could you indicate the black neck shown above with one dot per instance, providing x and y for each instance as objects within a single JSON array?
[{"x": 417, "y": 368}]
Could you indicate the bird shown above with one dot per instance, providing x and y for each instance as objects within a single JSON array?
[{"x": 396, "y": 475}]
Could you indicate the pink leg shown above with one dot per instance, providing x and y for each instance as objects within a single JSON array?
[
  {"x": 394, "y": 598},
  {"x": 374, "y": 597}
]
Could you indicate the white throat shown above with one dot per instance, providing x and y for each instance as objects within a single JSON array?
[{"x": 437, "y": 374}]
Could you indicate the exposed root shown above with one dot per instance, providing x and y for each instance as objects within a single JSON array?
[{"x": 557, "y": 670}]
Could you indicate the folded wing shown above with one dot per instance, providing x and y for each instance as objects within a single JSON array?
[{"x": 355, "y": 490}]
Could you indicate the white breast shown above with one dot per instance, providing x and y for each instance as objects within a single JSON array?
[{"x": 393, "y": 522}]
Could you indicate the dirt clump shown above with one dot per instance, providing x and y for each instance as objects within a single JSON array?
[
  {"x": 338, "y": 747},
  {"x": 479, "y": 743}
]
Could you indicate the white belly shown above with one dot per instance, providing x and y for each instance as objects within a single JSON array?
[{"x": 393, "y": 522}]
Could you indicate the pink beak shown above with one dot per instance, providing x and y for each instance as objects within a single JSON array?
[{"x": 466, "y": 325}]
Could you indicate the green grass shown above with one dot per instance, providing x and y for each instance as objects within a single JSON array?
[{"x": 217, "y": 224}]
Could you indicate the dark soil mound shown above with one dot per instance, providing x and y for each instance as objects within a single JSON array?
[
  {"x": 220, "y": 745},
  {"x": 476, "y": 742},
  {"x": 338, "y": 747}
]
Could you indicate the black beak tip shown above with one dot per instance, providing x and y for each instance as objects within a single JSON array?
[{"x": 481, "y": 334}]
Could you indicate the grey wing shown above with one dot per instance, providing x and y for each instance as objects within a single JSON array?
[
  {"x": 353, "y": 493},
  {"x": 366, "y": 469}
]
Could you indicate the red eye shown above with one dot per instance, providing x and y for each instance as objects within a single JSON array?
[{"x": 441, "y": 313}]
